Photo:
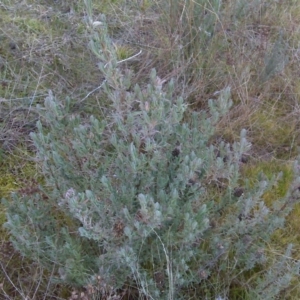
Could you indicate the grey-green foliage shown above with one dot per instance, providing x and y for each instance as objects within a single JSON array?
[
  {"x": 276, "y": 60},
  {"x": 194, "y": 21},
  {"x": 143, "y": 197},
  {"x": 243, "y": 8}
]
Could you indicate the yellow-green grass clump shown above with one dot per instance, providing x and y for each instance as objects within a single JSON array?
[
  {"x": 270, "y": 169},
  {"x": 15, "y": 173},
  {"x": 290, "y": 233}
]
